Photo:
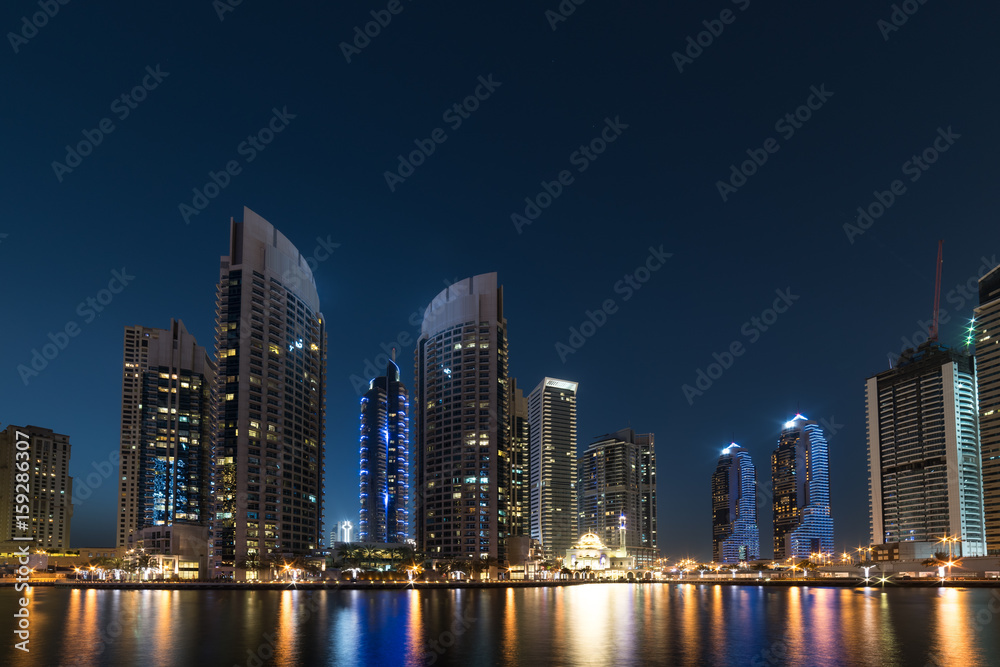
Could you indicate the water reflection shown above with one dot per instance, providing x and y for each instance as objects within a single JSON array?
[{"x": 616, "y": 624}]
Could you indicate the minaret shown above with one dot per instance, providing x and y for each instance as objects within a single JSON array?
[{"x": 621, "y": 533}]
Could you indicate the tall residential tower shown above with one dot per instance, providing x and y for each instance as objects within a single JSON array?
[
  {"x": 735, "y": 536},
  {"x": 167, "y": 431},
  {"x": 462, "y": 442},
  {"x": 800, "y": 477},
  {"x": 552, "y": 414},
  {"x": 925, "y": 475},
  {"x": 520, "y": 433},
  {"x": 987, "y": 335},
  {"x": 271, "y": 350},
  {"x": 43, "y": 458},
  {"x": 385, "y": 470},
  {"x": 616, "y": 479}
]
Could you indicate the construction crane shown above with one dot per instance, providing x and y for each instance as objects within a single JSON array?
[{"x": 933, "y": 334}]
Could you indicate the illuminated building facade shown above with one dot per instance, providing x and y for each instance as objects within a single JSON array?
[
  {"x": 616, "y": 478},
  {"x": 520, "y": 492},
  {"x": 271, "y": 350},
  {"x": 385, "y": 476},
  {"x": 589, "y": 553},
  {"x": 49, "y": 508},
  {"x": 462, "y": 428},
  {"x": 986, "y": 330},
  {"x": 735, "y": 536},
  {"x": 924, "y": 459},
  {"x": 552, "y": 414},
  {"x": 800, "y": 477},
  {"x": 167, "y": 431}
]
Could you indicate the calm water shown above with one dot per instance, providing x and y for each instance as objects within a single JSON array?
[{"x": 619, "y": 624}]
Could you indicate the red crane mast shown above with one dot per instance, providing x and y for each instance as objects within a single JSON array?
[{"x": 933, "y": 334}]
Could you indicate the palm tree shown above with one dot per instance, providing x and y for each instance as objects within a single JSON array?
[
  {"x": 488, "y": 562},
  {"x": 458, "y": 566}
]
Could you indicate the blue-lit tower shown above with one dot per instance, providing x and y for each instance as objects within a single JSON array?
[
  {"x": 735, "y": 536},
  {"x": 385, "y": 477},
  {"x": 800, "y": 474}
]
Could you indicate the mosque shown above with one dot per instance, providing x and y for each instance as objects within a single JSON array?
[{"x": 602, "y": 561}]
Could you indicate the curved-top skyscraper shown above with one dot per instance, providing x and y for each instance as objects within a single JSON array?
[
  {"x": 800, "y": 474},
  {"x": 271, "y": 348},
  {"x": 462, "y": 437},
  {"x": 735, "y": 536}
]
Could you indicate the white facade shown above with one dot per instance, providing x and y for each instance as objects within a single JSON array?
[{"x": 924, "y": 455}]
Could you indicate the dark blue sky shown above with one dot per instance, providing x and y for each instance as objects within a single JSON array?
[{"x": 322, "y": 180}]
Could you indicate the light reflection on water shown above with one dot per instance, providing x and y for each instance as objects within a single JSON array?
[{"x": 598, "y": 624}]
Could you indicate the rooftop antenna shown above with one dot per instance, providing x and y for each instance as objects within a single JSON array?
[
  {"x": 393, "y": 354},
  {"x": 933, "y": 334}
]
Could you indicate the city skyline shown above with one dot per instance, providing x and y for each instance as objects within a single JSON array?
[
  {"x": 332, "y": 520},
  {"x": 632, "y": 272},
  {"x": 410, "y": 333}
]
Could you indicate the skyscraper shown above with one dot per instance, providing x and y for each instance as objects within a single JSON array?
[
  {"x": 923, "y": 450},
  {"x": 520, "y": 492},
  {"x": 167, "y": 431},
  {"x": 47, "y": 515},
  {"x": 735, "y": 536},
  {"x": 385, "y": 470},
  {"x": 614, "y": 480},
  {"x": 987, "y": 335},
  {"x": 461, "y": 423},
  {"x": 271, "y": 349},
  {"x": 552, "y": 414},
  {"x": 647, "y": 489},
  {"x": 800, "y": 477}
]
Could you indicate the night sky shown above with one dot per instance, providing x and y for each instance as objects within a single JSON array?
[{"x": 216, "y": 74}]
